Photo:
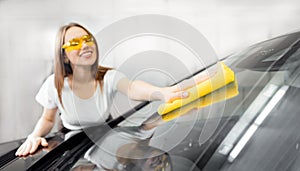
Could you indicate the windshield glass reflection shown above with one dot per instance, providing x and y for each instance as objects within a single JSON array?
[{"x": 128, "y": 147}]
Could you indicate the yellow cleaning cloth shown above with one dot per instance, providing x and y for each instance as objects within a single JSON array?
[
  {"x": 224, "y": 93},
  {"x": 223, "y": 76}
]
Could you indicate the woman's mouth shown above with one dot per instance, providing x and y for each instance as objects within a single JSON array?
[{"x": 86, "y": 54}]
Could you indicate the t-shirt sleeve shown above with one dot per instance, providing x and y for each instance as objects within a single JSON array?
[
  {"x": 46, "y": 94},
  {"x": 112, "y": 77}
]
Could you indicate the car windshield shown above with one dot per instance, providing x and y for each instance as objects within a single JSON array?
[
  {"x": 266, "y": 135},
  {"x": 250, "y": 124}
]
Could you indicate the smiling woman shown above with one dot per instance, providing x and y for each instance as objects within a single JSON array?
[
  {"x": 79, "y": 78},
  {"x": 77, "y": 59}
]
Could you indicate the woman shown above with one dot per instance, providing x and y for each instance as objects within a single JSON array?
[{"x": 78, "y": 76}]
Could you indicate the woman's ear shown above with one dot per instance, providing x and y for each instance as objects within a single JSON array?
[{"x": 66, "y": 60}]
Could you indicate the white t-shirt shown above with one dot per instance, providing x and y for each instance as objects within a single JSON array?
[{"x": 80, "y": 113}]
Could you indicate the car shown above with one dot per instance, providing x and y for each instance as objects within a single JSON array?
[{"x": 249, "y": 124}]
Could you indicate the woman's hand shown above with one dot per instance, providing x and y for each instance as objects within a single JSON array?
[
  {"x": 42, "y": 128},
  {"x": 169, "y": 94},
  {"x": 178, "y": 91},
  {"x": 31, "y": 145}
]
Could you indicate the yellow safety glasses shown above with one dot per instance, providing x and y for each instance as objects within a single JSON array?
[{"x": 76, "y": 43}]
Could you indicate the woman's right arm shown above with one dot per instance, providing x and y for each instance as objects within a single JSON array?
[{"x": 42, "y": 128}]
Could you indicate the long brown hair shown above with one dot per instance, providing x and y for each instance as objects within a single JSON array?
[{"x": 62, "y": 69}]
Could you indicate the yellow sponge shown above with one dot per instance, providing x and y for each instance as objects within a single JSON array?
[
  {"x": 223, "y": 76},
  {"x": 224, "y": 93}
]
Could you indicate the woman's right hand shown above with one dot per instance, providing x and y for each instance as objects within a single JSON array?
[{"x": 31, "y": 145}]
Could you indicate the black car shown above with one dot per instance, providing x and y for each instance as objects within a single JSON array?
[{"x": 250, "y": 124}]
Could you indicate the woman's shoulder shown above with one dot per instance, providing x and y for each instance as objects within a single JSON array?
[
  {"x": 50, "y": 79},
  {"x": 112, "y": 77},
  {"x": 114, "y": 74},
  {"x": 47, "y": 93},
  {"x": 109, "y": 73}
]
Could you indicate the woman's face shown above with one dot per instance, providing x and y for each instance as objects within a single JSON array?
[{"x": 86, "y": 55}]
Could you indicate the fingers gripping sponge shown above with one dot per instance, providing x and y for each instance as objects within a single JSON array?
[
  {"x": 225, "y": 93},
  {"x": 223, "y": 77}
]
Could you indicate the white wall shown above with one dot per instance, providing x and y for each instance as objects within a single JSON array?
[{"x": 28, "y": 28}]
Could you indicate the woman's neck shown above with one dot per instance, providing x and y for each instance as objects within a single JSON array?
[{"x": 82, "y": 74}]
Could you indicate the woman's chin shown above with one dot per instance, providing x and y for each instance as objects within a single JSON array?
[{"x": 89, "y": 60}]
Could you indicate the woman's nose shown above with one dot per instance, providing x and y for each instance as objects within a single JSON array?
[{"x": 84, "y": 45}]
